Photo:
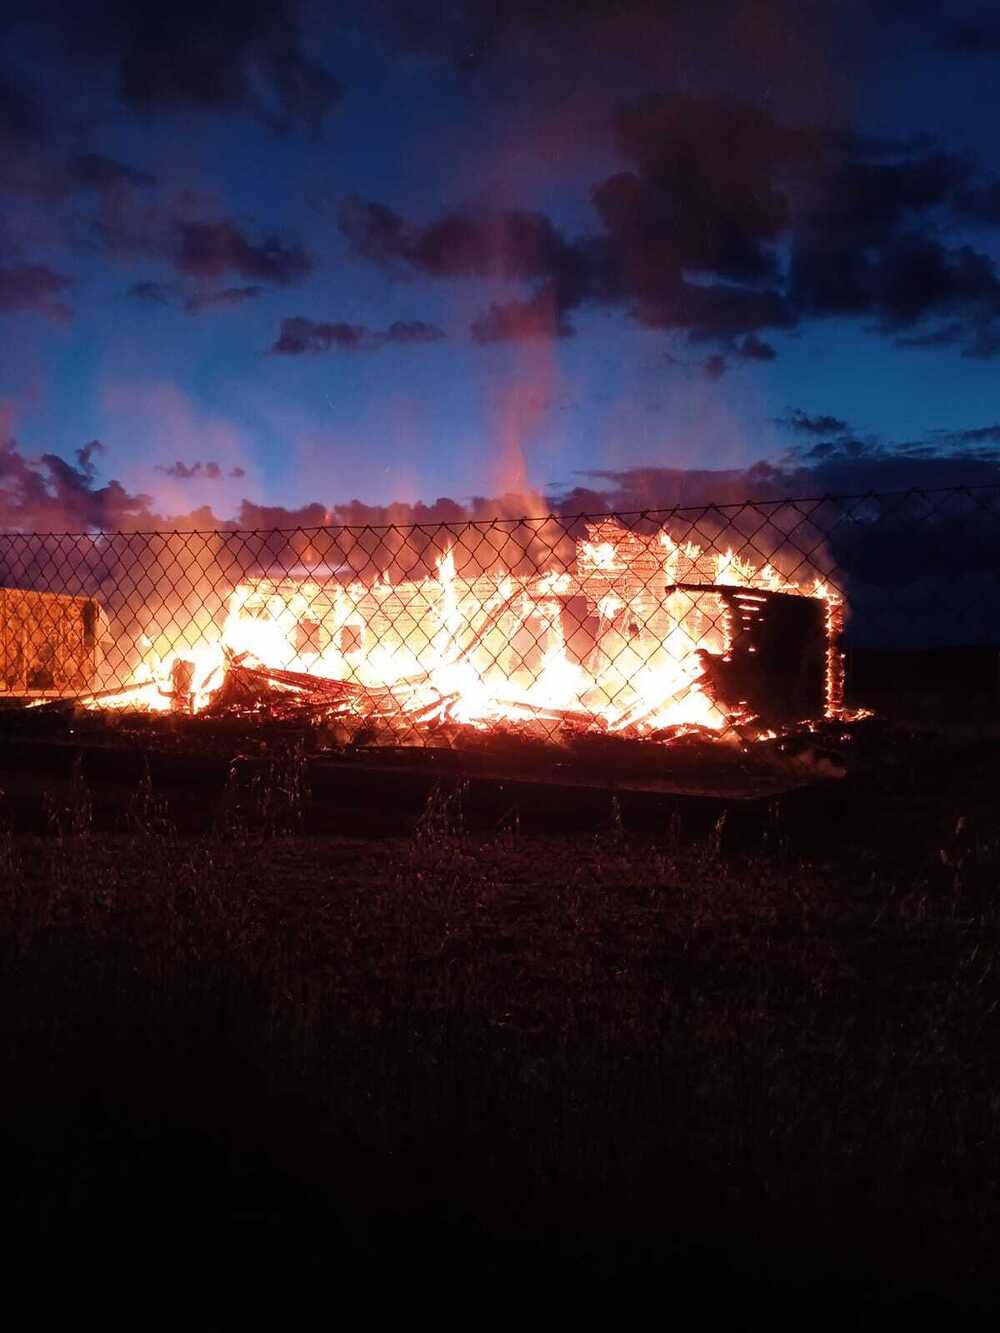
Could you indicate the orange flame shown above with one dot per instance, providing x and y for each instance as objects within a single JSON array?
[{"x": 493, "y": 647}]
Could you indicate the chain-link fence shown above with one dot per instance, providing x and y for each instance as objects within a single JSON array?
[{"x": 644, "y": 623}]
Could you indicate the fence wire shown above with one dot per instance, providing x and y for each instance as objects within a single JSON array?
[{"x": 650, "y": 622}]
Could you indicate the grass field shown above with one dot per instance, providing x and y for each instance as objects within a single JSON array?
[{"x": 450, "y": 1066}]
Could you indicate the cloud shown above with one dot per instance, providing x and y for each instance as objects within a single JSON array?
[
  {"x": 714, "y": 368},
  {"x": 165, "y": 294},
  {"x": 23, "y": 116},
  {"x": 403, "y": 332},
  {"x": 36, "y": 288},
  {"x": 950, "y": 334},
  {"x": 719, "y": 310},
  {"x": 984, "y": 343},
  {"x": 976, "y": 435},
  {"x": 970, "y": 40},
  {"x": 513, "y": 245},
  {"x": 802, "y": 423},
  {"x": 541, "y": 316},
  {"x": 95, "y": 171},
  {"x": 702, "y": 197},
  {"x": 726, "y": 223},
  {"x": 203, "y": 251},
  {"x": 47, "y": 494},
  {"x": 32, "y": 164},
  {"x": 753, "y": 348},
  {"x": 150, "y": 293},
  {"x": 299, "y": 335},
  {"x": 850, "y": 467},
  {"x": 209, "y": 250},
  {"x": 210, "y": 471},
  {"x": 980, "y": 202},
  {"x": 27, "y": 166},
  {"x": 226, "y": 296},
  {"x": 219, "y": 56},
  {"x": 583, "y": 44},
  {"x": 687, "y": 206},
  {"x": 874, "y": 190}
]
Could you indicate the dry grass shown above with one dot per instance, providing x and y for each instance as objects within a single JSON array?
[{"x": 657, "y": 1063}]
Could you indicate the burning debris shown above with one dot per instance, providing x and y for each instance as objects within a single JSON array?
[{"x": 640, "y": 637}]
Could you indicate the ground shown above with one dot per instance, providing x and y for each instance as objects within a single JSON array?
[{"x": 747, "y": 1061}]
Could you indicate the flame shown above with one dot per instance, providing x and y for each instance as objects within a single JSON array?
[{"x": 493, "y": 648}]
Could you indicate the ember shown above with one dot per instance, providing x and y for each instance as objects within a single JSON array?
[{"x": 641, "y": 636}]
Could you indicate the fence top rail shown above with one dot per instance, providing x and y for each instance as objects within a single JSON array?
[{"x": 722, "y": 507}]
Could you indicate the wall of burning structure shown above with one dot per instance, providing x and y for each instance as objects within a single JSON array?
[
  {"x": 50, "y": 644},
  {"x": 640, "y": 629},
  {"x": 576, "y": 623}
]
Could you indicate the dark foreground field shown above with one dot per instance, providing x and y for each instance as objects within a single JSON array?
[{"x": 250, "y": 1069}]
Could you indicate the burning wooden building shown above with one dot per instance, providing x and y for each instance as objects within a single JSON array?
[
  {"x": 50, "y": 643},
  {"x": 642, "y": 633}
]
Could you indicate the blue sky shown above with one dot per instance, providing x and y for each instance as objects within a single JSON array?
[{"x": 450, "y": 117}]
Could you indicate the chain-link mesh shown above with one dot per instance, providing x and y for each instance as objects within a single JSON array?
[{"x": 640, "y": 624}]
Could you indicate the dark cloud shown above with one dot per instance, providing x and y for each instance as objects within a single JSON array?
[
  {"x": 151, "y": 293},
  {"x": 165, "y": 294},
  {"x": 514, "y": 245},
  {"x": 831, "y": 282},
  {"x": 715, "y": 367},
  {"x": 866, "y": 199},
  {"x": 703, "y": 197},
  {"x": 984, "y": 343},
  {"x": 716, "y": 310},
  {"x": 970, "y": 40},
  {"x": 695, "y": 233},
  {"x": 47, "y": 494},
  {"x": 374, "y": 230},
  {"x": 26, "y": 167},
  {"x": 299, "y": 335},
  {"x": 977, "y": 435},
  {"x": 23, "y": 117},
  {"x": 706, "y": 191},
  {"x": 951, "y": 334},
  {"x": 753, "y": 348},
  {"x": 34, "y": 287},
  {"x": 918, "y": 277},
  {"x": 209, "y": 471},
  {"x": 403, "y": 332},
  {"x": 804, "y": 423},
  {"x": 980, "y": 202},
  {"x": 592, "y": 43},
  {"x": 914, "y": 279},
  {"x": 31, "y": 163},
  {"x": 223, "y": 297},
  {"x": 541, "y": 316},
  {"x": 210, "y": 250},
  {"x": 94, "y": 171},
  {"x": 854, "y": 467},
  {"x": 217, "y": 55},
  {"x": 466, "y": 33}
]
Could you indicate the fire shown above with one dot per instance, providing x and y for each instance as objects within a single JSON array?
[{"x": 665, "y": 621}]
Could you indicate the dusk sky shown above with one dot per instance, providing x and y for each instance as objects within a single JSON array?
[{"x": 279, "y": 255}]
